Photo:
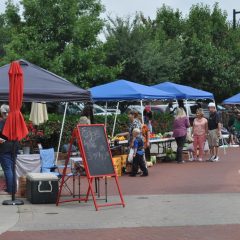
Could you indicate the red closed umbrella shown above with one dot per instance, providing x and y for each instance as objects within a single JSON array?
[{"x": 15, "y": 128}]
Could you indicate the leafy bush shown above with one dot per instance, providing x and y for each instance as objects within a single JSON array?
[
  {"x": 162, "y": 122},
  {"x": 121, "y": 123},
  {"x": 51, "y": 129}
]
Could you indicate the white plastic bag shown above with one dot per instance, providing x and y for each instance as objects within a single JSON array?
[
  {"x": 130, "y": 155},
  {"x": 206, "y": 146},
  {"x": 190, "y": 147}
]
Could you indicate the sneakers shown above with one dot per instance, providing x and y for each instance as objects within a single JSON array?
[
  {"x": 211, "y": 158},
  {"x": 200, "y": 159},
  {"x": 234, "y": 145},
  {"x": 215, "y": 159},
  {"x": 179, "y": 162}
]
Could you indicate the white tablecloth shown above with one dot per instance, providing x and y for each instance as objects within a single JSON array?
[
  {"x": 27, "y": 163},
  {"x": 158, "y": 140}
]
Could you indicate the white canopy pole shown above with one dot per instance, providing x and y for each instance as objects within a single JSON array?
[
  {"x": 189, "y": 129},
  {"x": 106, "y": 106},
  {"x": 141, "y": 102},
  {"x": 186, "y": 103},
  {"x": 115, "y": 119},
  {"x": 61, "y": 132}
]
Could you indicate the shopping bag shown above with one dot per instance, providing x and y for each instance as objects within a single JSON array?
[
  {"x": 189, "y": 138},
  {"x": 130, "y": 155},
  {"x": 206, "y": 146},
  {"x": 190, "y": 147}
]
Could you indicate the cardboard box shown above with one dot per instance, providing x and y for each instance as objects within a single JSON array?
[
  {"x": 117, "y": 163},
  {"x": 117, "y": 160},
  {"x": 124, "y": 160},
  {"x": 118, "y": 169},
  {"x": 22, "y": 181}
]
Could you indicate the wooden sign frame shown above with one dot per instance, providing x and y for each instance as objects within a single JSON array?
[{"x": 76, "y": 136}]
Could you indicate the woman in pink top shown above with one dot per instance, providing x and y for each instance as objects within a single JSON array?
[
  {"x": 180, "y": 126},
  {"x": 200, "y": 130}
]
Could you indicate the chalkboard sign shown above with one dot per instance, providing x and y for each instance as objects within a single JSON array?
[{"x": 96, "y": 149}]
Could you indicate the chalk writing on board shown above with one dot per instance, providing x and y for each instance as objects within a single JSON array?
[{"x": 96, "y": 150}]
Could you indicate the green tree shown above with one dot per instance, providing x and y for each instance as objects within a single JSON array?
[
  {"x": 62, "y": 36},
  {"x": 8, "y": 20},
  {"x": 125, "y": 40},
  {"x": 149, "y": 49},
  {"x": 209, "y": 58},
  {"x": 162, "y": 55}
]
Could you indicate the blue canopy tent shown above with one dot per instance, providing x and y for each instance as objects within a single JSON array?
[
  {"x": 233, "y": 100},
  {"x": 182, "y": 91},
  {"x": 126, "y": 90},
  {"x": 121, "y": 90}
]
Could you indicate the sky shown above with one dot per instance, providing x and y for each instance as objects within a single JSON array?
[
  {"x": 124, "y": 8},
  {"x": 148, "y": 7}
]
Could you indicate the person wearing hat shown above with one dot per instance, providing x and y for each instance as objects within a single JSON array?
[
  {"x": 214, "y": 131},
  {"x": 6, "y": 158}
]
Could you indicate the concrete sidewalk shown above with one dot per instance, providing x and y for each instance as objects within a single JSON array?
[
  {"x": 192, "y": 201},
  {"x": 140, "y": 211},
  {"x": 9, "y": 215}
]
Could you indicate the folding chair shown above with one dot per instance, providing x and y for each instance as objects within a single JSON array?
[{"x": 47, "y": 157}]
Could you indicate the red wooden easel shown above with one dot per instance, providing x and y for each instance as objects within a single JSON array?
[{"x": 92, "y": 166}]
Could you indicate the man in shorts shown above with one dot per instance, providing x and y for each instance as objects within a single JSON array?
[{"x": 214, "y": 131}]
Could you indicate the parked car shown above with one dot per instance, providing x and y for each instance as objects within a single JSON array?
[
  {"x": 135, "y": 108},
  {"x": 154, "y": 108},
  {"x": 75, "y": 108},
  {"x": 191, "y": 108},
  {"x": 98, "y": 110}
]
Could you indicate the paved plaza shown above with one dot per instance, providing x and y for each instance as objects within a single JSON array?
[{"x": 176, "y": 202}]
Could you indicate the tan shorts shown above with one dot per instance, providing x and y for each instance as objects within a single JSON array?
[{"x": 213, "y": 138}]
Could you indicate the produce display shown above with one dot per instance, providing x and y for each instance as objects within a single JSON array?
[
  {"x": 118, "y": 138},
  {"x": 152, "y": 136},
  {"x": 155, "y": 135},
  {"x": 170, "y": 155},
  {"x": 167, "y": 134}
]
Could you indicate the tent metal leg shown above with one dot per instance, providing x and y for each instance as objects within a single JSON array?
[
  {"x": 141, "y": 103},
  {"x": 186, "y": 104},
  {"x": 106, "y": 106},
  {"x": 61, "y": 132},
  {"x": 115, "y": 119}
]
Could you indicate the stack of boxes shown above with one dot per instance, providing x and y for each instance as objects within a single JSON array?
[
  {"x": 22, "y": 181},
  {"x": 119, "y": 163},
  {"x": 124, "y": 160}
]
